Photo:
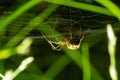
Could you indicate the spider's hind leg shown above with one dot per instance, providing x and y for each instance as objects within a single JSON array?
[{"x": 81, "y": 38}]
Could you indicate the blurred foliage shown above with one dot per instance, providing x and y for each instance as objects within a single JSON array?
[{"x": 55, "y": 19}]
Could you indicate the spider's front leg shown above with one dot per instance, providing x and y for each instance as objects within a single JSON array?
[{"x": 58, "y": 47}]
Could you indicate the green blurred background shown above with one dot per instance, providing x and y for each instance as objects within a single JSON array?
[{"x": 56, "y": 22}]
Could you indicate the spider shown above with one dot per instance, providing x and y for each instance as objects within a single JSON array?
[{"x": 68, "y": 42}]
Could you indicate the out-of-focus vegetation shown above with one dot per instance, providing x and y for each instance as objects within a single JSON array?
[{"x": 21, "y": 41}]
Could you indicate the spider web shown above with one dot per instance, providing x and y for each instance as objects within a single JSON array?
[{"x": 64, "y": 20}]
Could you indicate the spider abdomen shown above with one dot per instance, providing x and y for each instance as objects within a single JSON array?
[{"x": 73, "y": 45}]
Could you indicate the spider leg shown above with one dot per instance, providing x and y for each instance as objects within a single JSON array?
[
  {"x": 70, "y": 34},
  {"x": 81, "y": 39},
  {"x": 54, "y": 42},
  {"x": 58, "y": 47},
  {"x": 82, "y": 36}
]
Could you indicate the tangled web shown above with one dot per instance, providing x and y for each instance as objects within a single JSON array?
[{"x": 65, "y": 20}]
